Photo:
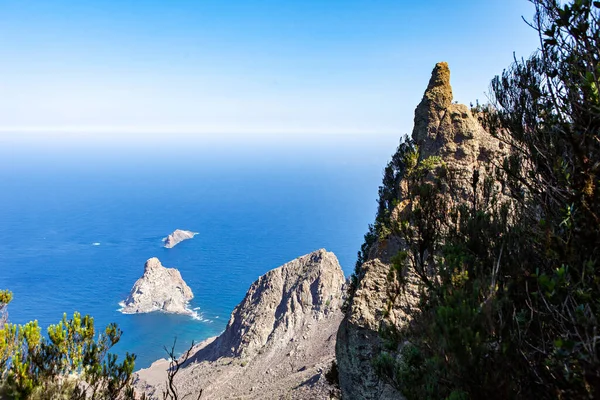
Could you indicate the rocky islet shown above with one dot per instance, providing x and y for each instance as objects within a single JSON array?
[{"x": 159, "y": 289}]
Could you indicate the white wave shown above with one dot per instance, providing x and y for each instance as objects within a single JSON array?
[
  {"x": 196, "y": 316},
  {"x": 96, "y": 244},
  {"x": 193, "y": 313}
]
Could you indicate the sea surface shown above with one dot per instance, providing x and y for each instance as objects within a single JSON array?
[{"x": 78, "y": 220}]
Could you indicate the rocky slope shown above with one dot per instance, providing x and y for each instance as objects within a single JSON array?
[
  {"x": 177, "y": 237},
  {"x": 159, "y": 289},
  {"x": 442, "y": 129},
  {"x": 279, "y": 342}
]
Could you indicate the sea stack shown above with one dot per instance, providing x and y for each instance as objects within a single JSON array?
[
  {"x": 177, "y": 237},
  {"x": 159, "y": 289}
]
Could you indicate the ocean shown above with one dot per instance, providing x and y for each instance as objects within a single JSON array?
[{"x": 79, "y": 219}]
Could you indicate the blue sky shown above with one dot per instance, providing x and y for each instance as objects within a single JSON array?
[{"x": 246, "y": 67}]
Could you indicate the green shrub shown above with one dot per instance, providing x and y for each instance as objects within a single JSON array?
[{"x": 70, "y": 362}]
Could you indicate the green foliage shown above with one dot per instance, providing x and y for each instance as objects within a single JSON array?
[
  {"x": 5, "y": 297},
  {"x": 385, "y": 364},
  {"x": 451, "y": 336},
  {"x": 69, "y": 363},
  {"x": 423, "y": 167},
  {"x": 549, "y": 110}
]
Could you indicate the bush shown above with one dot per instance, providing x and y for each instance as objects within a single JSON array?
[{"x": 70, "y": 362}]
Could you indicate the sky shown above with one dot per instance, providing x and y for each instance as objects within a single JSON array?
[{"x": 76, "y": 69}]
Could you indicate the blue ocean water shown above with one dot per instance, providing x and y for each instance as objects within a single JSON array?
[{"x": 77, "y": 224}]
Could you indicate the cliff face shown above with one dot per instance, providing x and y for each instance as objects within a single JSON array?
[
  {"x": 279, "y": 342},
  {"x": 442, "y": 129},
  {"x": 281, "y": 302},
  {"x": 159, "y": 289}
]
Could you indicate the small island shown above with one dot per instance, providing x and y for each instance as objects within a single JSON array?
[
  {"x": 177, "y": 237},
  {"x": 159, "y": 289}
]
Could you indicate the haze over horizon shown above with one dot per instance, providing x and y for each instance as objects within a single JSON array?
[{"x": 141, "y": 70}]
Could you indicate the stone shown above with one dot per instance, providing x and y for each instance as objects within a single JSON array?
[
  {"x": 159, "y": 289},
  {"x": 177, "y": 237},
  {"x": 280, "y": 302}
]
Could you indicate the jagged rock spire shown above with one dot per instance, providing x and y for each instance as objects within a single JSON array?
[
  {"x": 439, "y": 89},
  {"x": 432, "y": 109}
]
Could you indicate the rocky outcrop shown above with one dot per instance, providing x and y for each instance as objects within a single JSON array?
[
  {"x": 177, "y": 237},
  {"x": 450, "y": 131},
  {"x": 280, "y": 302},
  {"x": 442, "y": 129},
  {"x": 279, "y": 342},
  {"x": 159, "y": 289}
]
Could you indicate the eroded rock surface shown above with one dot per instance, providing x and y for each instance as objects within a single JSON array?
[
  {"x": 444, "y": 129},
  {"x": 177, "y": 237},
  {"x": 159, "y": 289},
  {"x": 279, "y": 342}
]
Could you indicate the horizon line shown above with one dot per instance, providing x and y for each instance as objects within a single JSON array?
[{"x": 187, "y": 130}]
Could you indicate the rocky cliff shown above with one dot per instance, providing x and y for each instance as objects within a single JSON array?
[
  {"x": 442, "y": 129},
  {"x": 159, "y": 289},
  {"x": 279, "y": 342},
  {"x": 177, "y": 237}
]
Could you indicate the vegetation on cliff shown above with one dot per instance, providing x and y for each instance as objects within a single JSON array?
[{"x": 507, "y": 276}]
